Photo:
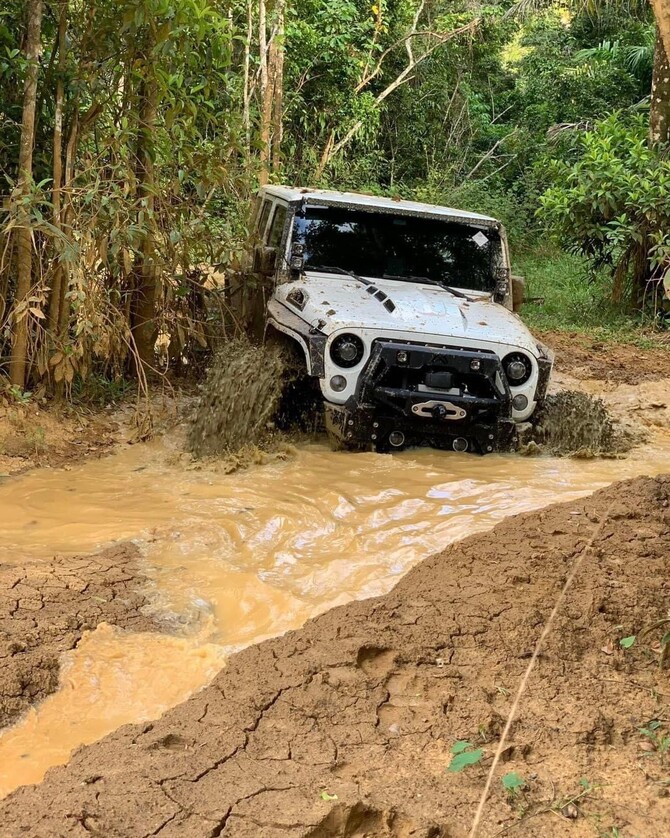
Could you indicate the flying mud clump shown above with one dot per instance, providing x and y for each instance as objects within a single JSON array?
[
  {"x": 238, "y": 402},
  {"x": 571, "y": 423}
]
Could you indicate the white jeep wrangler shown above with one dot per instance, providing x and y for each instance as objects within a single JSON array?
[{"x": 403, "y": 314}]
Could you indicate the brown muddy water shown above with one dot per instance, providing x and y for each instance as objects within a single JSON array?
[{"x": 234, "y": 559}]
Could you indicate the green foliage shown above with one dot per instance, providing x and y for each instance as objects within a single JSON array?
[
  {"x": 627, "y": 642},
  {"x": 558, "y": 84},
  {"x": 562, "y": 293},
  {"x": 464, "y": 754},
  {"x": 513, "y": 783},
  {"x": 613, "y": 204}
]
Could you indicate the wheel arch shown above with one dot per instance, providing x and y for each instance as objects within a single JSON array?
[{"x": 277, "y": 332}]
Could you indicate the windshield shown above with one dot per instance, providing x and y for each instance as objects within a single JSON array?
[{"x": 399, "y": 247}]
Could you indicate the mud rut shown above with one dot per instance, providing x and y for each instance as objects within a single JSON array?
[
  {"x": 344, "y": 728},
  {"x": 45, "y": 609}
]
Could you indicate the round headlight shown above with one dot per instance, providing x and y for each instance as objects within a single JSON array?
[
  {"x": 347, "y": 350},
  {"x": 518, "y": 368}
]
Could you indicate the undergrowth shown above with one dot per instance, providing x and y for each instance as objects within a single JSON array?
[{"x": 561, "y": 295}]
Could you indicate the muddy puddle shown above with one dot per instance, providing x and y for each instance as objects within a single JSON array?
[{"x": 233, "y": 559}]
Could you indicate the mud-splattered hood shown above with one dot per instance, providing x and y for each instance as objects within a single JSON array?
[{"x": 333, "y": 303}]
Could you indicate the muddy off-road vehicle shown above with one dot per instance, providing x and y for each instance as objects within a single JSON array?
[{"x": 401, "y": 313}]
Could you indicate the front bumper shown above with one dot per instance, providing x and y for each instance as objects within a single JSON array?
[{"x": 427, "y": 394}]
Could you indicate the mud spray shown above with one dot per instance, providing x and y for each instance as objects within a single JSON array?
[
  {"x": 571, "y": 423},
  {"x": 235, "y": 417},
  {"x": 247, "y": 388}
]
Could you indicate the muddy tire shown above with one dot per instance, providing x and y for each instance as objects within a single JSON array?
[{"x": 300, "y": 405}]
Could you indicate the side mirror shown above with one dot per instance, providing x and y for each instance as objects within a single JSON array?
[
  {"x": 518, "y": 292},
  {"x": 501, "y": 288},
  {"x": 500, "y": 292},
  {"x": 265, "y": 260}
]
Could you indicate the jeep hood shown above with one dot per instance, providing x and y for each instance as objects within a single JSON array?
[{"x": 334, "y": 303}]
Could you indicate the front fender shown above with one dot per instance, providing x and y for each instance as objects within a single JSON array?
[{"x": 311, "y": 340}]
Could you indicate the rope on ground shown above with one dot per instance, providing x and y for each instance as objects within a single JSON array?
[{"x": 531, "y": 664}]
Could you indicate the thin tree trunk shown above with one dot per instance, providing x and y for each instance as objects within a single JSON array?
[
  {"x": 66, "y": 220},
  {"x": 17, "y": 365},
  {"x": 146, "y": 277},
  {"x": 246, "y": 101},
  {"x": 278, "y": 54},
  {"x": 6, "y": 262},
  {"x": 659, "y": 115},
  {"x": 54, "y": 299},
  {"x": 266, "y": 95}
]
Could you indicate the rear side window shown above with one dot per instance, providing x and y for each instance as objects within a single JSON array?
[
  {"x": 263, "y": 218},
  {"x": 277, "y": 228}
]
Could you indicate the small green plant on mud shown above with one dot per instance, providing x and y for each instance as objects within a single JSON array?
[
  {"x": 17, "y": 395},
  {"x": 514, "y": 784},
  {"x": 37, "y": 439},
  {"x": 628, "y": 642},
  {"x": 464, "y": 754},
  {"x": 657, "y": 739}
]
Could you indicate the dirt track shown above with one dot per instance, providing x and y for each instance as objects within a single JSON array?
[
  {"x": 362, "y": 706},
  {"x": 584, "y": 357},
  {"x": 46, "y": 607}
]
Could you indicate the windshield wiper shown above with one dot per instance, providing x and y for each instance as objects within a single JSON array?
[
  {"x": 333, "y": 269},
  {"x": 427, "y": 281}
]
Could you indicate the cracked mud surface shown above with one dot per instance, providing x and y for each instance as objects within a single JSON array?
[
  {"x": 45, "y": 607},
  {"x": 344, "y": 728}
]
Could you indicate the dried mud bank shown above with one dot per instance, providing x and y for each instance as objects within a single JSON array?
[
  {"x": 584, "y": 357},
  {"x": 345, "y": 727},
  {"x": 45, "y": 607}
]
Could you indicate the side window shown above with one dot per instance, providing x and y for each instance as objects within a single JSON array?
[
  {"x": 263, "y": 219},
  {"x": 277, "y": 228}
]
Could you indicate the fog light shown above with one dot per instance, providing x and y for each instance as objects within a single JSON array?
[
  {"x": 520, "y": 402},
  {"x": 338, "y": 383},
  {"x": 402, "y": 357},
  {"x": 460, "y": 444},
  {"x": 396, "y": 438},
  {"x": 475, "y": 364}
]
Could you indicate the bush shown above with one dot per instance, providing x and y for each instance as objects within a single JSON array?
[{"x": 613, "y": 205}]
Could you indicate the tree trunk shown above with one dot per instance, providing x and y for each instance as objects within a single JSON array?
[
  {"x": 6, "y": 262},
  {"x": 146, "y": 276},
  {"x": 266, "y": 95},
  {"x": 662, "y": 14},
  {"x": 17, "y": 365},
  {"x": 246, "y": 99},
  {"x": 54, "y": 299},
  {"x": 659, "y": 115},
  {"x": 277, "y": 61}
]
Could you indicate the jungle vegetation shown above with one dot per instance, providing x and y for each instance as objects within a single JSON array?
[{"x": 133, "y": 134}]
